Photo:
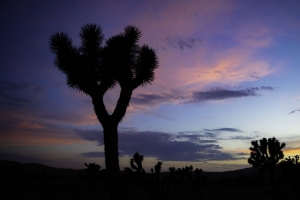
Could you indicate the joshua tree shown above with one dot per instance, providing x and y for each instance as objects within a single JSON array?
[
  {"x": 157, "y": 169},
  {"x": 93, "y": 172},
  {"x": 266, "y": 154},
  {"x": 291, "y": 167},
  {"x": 94, "y": 68},
  {"x": 136, "y": 163}
]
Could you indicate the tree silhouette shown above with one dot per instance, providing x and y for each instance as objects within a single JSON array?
[
  {"x": 266, "y": 154},
  {"x": 136, "y": 162},
  {"x": 291, "y": 167},
  {"x": 94, "y": 68},
  {"x": 93, "y": 172}
]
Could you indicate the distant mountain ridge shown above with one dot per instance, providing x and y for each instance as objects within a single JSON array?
[{"x": 36, "y": 169}]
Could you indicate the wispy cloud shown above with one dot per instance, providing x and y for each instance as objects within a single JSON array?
[
  {"x": 93, "y": 154},
  {"x": 220, "y": 94},
  {"x": 224, "y": 129},
  {"x": 241, "y": 138},
  {"x": 177, "y": 97},
  {"x": 223, "y": 93},
  {"x": 242, "y": 154},
  {"x": 231, "y": 67},
  {"x": 91, "y": 135},
  {"x": 17, "y": 93},
  {"x": 219, "y": 134},
  {"x": 157, "y": 99},
  {"x": 294, "y": 111},
  {"x": 182, "y": 43},
  {"x": 151, "y": 99},
  {"x": 267, "y": 88},
  {"x": 19, "y": 129},
  {"x": 182, "y": 146},
  {"x": 231, "y": 48}
]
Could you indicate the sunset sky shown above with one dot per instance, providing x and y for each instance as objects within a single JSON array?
[{"x": 228, "y": 74}]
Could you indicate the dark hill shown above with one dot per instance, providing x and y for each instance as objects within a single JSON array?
[
  {"x": 36, "y": 169},
  {"x": 12, "y": 168}
]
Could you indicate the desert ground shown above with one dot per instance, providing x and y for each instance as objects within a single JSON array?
[{"x": 36, "y": 181}]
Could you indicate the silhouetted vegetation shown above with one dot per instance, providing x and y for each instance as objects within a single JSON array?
[
  {"x": 265, "y": 154},
  {"x": 93, "y": 170},
  {"x": 94, "y": 68},
  {"x": 35, "y": 181},
  {"x": 291, "y": 168}
]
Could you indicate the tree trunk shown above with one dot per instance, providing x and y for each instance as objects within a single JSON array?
[{"x": 110, "y": 131}]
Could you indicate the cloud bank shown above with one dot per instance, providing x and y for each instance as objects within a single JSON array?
[{"x": 182, "y": 146}]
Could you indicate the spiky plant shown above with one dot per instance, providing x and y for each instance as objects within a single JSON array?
[
  {"x": 265, "y": 154},
  {"x": 157, "y": 168},
  {"x": 94, "y": 68},
  {"x": 93, "y": 172},
  {"x": 136, "y": 162},
  {"x": 291, "y": 167}
]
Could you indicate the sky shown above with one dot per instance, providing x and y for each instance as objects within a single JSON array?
[{"x": 228, "y": 74}]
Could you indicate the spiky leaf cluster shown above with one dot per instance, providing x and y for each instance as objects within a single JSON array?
[
  {"x": 95, "y": 67},
  {"x": 266, "y": 153}
]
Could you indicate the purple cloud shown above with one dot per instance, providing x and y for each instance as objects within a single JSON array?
[
  {"x": 183, "y": 146},
  {"x": 182, "y": 43},
  {"x": 219, "y": 93}
]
